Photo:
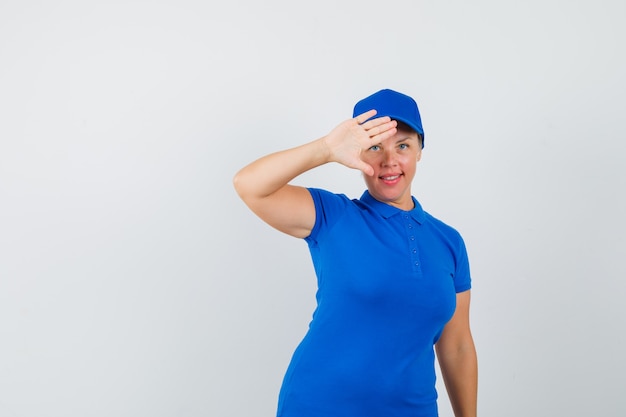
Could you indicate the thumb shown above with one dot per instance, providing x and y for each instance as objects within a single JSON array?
[{"x": 365, "y": 168}]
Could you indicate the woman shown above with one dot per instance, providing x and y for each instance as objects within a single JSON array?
[{"x": 393, "y": 281}]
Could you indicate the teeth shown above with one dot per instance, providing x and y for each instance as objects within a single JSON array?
[{"x": 390, "y": 178}]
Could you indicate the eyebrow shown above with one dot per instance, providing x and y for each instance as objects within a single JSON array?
[
  {"x": 404, "y": 139},
  {"x": 407, "y": 138}
]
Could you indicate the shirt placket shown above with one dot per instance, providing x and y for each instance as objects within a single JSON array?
[{"x": 411, "y": 233}]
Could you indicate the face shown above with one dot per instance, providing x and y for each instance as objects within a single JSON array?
[{"x": 394, "y": 161}]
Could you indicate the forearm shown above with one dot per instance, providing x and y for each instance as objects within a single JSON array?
[
  {"x": 460, "y": 374},
  {"x": 270, "y": 173}
]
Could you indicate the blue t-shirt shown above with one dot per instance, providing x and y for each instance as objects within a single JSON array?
[{"x": 387, "y": 284}]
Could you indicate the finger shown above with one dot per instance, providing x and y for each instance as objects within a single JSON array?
[
  {"x": 384, "y": 134},
  {"x": 361, "y": 118},
  {"x": 383, "y": 128},
  {"x": 376, "y": 122}
]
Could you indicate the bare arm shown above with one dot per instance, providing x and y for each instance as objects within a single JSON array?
[
  {"x": 457, "y": 358},
  {"x": 264, "y": 184}
]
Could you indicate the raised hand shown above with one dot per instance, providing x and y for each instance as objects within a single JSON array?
[{"x": 352, "y": 137}]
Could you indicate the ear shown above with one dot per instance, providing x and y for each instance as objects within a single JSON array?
[{"x": 418, "y": 156}]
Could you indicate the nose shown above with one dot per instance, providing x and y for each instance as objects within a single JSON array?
[{"x": 389, "y": 158}]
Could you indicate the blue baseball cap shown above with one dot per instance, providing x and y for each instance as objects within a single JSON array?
[{"x": 396, "y": 105}]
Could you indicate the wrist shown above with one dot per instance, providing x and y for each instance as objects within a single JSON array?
[{"x": 322, "y": 150}]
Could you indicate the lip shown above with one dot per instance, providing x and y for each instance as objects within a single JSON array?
[{"x": 390, "y": 179}]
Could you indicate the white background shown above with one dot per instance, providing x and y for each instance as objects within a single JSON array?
[{"x": 133, "y": 281}]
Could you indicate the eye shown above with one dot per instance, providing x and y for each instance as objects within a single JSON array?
[
  {"x": 404, "y": 146},
  {"x": 374, "y": 148}
]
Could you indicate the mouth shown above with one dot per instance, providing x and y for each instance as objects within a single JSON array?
[{"x": 390, "y": 179}]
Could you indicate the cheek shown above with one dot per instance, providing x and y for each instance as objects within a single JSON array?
[
  {"x": 410, "y": 165},
  {"x": 374, "y": 161},
  {"x": 370, "y": 157},
  {"x": 410, "y": 160}
]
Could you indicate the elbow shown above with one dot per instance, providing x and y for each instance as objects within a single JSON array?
[
  {"x": 246, "y": 187},
  {"x": 239, "y": 185},
  {"x": 237, "y": 182}
]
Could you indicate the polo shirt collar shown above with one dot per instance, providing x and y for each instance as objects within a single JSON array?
[{"x": 386, "y": 210}]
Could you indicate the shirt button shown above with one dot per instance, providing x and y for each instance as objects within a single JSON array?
[
  {"x": 414, "y": 250},
  {"x": 417, "y": 264},
  {"x": 412, "y": 237}
]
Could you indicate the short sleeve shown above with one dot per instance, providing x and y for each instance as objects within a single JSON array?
[
  {"x": 462, "y": 277},
  {"x": 329, "y": 208}
]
